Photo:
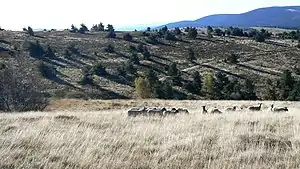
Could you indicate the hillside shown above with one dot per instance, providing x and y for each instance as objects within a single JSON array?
[
  {"x": 288, "y": 17},
  {"x": 74, "y": 52}
]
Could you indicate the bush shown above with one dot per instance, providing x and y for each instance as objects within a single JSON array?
[
  {"x": 192, "y": 33},
  {"x": 152, "y": 39},
  {"x": 146, "y": 54},
  {"x": 140, "y": 48},
  {"x": 109, "y": 49},
  {"x": 111, "y": 34},
  {"x": 73, "y": 29},
  {"x": 259, "y": 37},
  {"x": 170, "y": 36},
  {"x": 218, "y": 32},
  {"x": 209, "y": 30},
  {"x": 98, "y": 70},
  {"x": 47, "y": 71},
  {"x": 21, "y": 90},
  {"x": 98, "y": 28},
  {"x": 83, "y": 29},
  {"x": 142, "y": 87},
  {"x": 191, "y": 55},
  {"x": 134, "y": 58},
  {"x": 30, "y": 31},
  {"x": 50, "y": 53},
  {"x": 127, "y": 37},
  {"x": 36, "y": 50},
  {"x": 110, "y": 28},
  {"x": 177, "y": 31},
  {"x": 232, "y": 58}
]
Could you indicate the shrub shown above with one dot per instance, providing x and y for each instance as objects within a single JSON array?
[
  {"x": 146, "y": 54},
  {"x": 134, "y": 58},
  {"x": 86, "y": 80},
  {"x": 30, "y": 31},
  {"x": 142, "y": 87},
  {"x": 83, "y": 29},
  {"x": 163, "y": 30},
  {"x": 47, "y": 71},
  {"x": 111, "y": 34},
  {"x": 259, "y": 37},
  {"x": 99, "y": 70},
  {"x": 110, "y": 28},
  {"x": 170, "y": 36},
  {"x": 73, "y": 29},
  {"x": 148, "y": 29},
  {"x": 232, "y": 58},
  {"x": 140, "y": 48},
  {"x": 209, "y": 30},
  {"x": 152, "y": 39},
  {"x": 191, "y": 55},
  {"x": 177, "y": 31},
  {"x": 109, "y": 49},
  {"x": 98, "y": 28},
  {"x": 50, "y": 53},
  {"x": 130, "y": 69},
  {"x": 192, "y": 33},
  {"x": 218, "y": 32},
  {"x": 36, "y": 50},
  {"x": 127, "y": 37},
  {"x": 21, "y": 90}
]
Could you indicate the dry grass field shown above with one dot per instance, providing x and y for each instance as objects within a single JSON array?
[{"x": 98, "y": 134}]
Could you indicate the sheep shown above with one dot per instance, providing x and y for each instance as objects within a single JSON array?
[
  {"x": 231, "y": 108},
  {"x": 255, "y": 108},
  {"x": 213, "y": 111},
  {"x": 159, "y": 111},
  {"x": 182, "y": 110},
  {"x": 136, "y": 111},
  {"x": 172, "y": 111},
  {"x": 278, "y": 109}
]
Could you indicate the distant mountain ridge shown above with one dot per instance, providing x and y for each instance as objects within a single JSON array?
[{"x": 287, "y": 16}]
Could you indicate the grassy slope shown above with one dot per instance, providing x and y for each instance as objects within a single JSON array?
[
  {"x": 258, "y": 60},
  {"x": 109, "y": 139}
]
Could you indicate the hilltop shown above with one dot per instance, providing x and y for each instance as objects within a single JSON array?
[
  {"x": 75, "y": 54},
  {"x": 287, "y": 17}
]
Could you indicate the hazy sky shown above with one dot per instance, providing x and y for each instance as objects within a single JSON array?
[{"x": 60, "y": 14}]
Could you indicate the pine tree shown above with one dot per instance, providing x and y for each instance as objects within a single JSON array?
[
  {"x": 249, "y": 91},
  {"x": 30, "y": 31},
  {"x": 73, "y": 29},
  {"x": 287, "y": 82},
  {"x": 192, "y": 33},
  {"x": 191, "y": 55},
  {"x": 221, "y": 81},
  {"x": 197, "y": 82},
  {"x": 142, "y": 87},
  {"x": 209, "y": 86}
]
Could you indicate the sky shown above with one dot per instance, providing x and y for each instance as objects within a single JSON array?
[{"x": 60, "y": 14}]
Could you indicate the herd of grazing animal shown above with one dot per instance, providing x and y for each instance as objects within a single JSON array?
[{"x": 162, "y": 111}]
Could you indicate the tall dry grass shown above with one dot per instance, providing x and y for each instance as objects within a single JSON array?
[{"x": 110, "y": 139}]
